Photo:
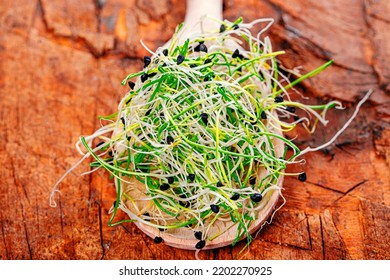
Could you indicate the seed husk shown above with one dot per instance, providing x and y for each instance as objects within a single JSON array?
[
  {"x": 147, "y": 61},
  {"x": 236, "y": 53},
  {"x": 256, "y": 197},
  {"x": 214, "y": 208},
  {"x": 170, "y": 139},
  {"x": 198, "y": 235},
  {"x": 164, "y": 187},
  {"x": 235, "y": 196},
  {"x": 191, "y": 177},
  {"x": 131, "y": 84},
  {"x": 302, "y": 177},
  {"x": 279, "y": 99},
  {"x": 204, "y": 118},
  {"x": 200, "y": 244},
  {"x": 180, "y": 59},
  {"x": 158, "y": 240}
]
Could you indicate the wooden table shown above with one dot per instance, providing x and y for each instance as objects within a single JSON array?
[{"x": 61, "y": 63}]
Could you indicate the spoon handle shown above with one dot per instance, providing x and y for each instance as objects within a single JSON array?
[{"x": 199, "y": 8}]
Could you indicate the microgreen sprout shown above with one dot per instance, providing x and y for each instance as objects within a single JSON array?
[{"x": 198, "y": 128}]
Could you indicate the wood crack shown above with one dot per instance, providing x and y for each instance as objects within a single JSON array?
[
  {"x": 27, "y": 240},
  {"x": 322, "y": 238},
  {"x": 101, "y": 231},
  {"x": 18, "y": 183},
  {"x": 309, "y": 233},
  {"x": 349, "y": 191},
  {"x": 4, "y": 241},
  {"x": 25, "y": 229},
  {"x": 325, "y": 187}
]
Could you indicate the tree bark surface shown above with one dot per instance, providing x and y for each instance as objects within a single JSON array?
[{"x": 61, "y": 64}]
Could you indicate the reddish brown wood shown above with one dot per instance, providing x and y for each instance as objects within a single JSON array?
[{"x": 61, "y": 63}]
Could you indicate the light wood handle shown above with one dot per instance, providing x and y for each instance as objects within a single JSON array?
[{"x": 196, "y": 9}]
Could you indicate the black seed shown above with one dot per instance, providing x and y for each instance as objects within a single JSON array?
[
  {"x": 131, "y": 84},
  {"x": 198, "y": 235},
  {"x": 147, "y": 61},
  {"x": 128, "y": 138},
  {"x": 206, "y": 79},
  {"x": 236, "y": 53},
  {"x": 164, "y": 187},
  {"x": 252, "y": 181},
  {"x": 203, "y": 48},
  {"x": 256, "y": 197},
  {"x": 184, "y": 203},
  {"x": 147, "y": 215},
  {"x": 99, "y": 144},
  {"x": 197, "y": 48},
  {"x": 278, "y": 99},
  {"x": 235, "y": 26},
  {"x": 200, "y": 244},
  {"x": 123, "y": 120},
  {"x": 219, "y": 184},
  {"x": 261, "y": 75},
  {"x": 235, "y": 196},
  {"x": 148, "y": 112},
  {"x": 222, "y": 28},
  {"x": 302, "y": 177},
  {"x": 144, "y": 77},
  {"x": 263, "y": 115},
  {"x": 214, "y": 208},
  {"x": 165, "y": 52},
  {"x": 204, "y": 118},
  {"x": 110, "y": 154},
  {"x": 207, "y": 61},
  {"x": 240, "y": 56},
  {"x": 128, "y": 101},
  {"x": 164, "y": 64},
  {"x": 290, "y": 109},
  {"x": 143, "y": 169},
  {"x": 192, "y": 65},
  {"x": 191, "y": 177},
  {"x": 157, "y": 239},
  {"x": 296, "y": 118},
  {"x": 152, "y": 74},
  {"x": 180, "y": 59},
  {"x": 170, "y": 139},
  {"x": 171, "y": 180},
  {"x": 162, "y": 229}
]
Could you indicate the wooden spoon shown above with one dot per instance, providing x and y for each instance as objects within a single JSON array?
[{"x": 184, "y": 237}]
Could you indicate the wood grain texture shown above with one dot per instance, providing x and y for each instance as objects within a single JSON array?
[{"x": 61, "y": 63}]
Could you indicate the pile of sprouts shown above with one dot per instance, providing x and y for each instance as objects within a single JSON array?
[{"x": 194, "y": 142}]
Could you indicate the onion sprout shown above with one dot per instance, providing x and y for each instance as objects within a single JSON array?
[{"x": 198, "y": 123}]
